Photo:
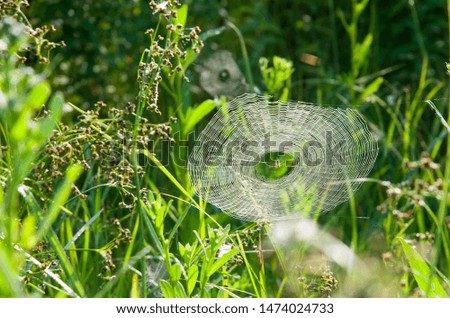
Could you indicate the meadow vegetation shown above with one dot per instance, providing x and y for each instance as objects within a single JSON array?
[{"x": 99, "y": 106}]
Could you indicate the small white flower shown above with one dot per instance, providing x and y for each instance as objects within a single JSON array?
[
  {"x": 161, "y": 7},
  {"x": 223, "y": 249}
]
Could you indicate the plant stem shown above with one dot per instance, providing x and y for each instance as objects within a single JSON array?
[{"x": 248, "y": 70}]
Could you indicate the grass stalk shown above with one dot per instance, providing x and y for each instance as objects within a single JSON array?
[{"x": 248, "y": 69}]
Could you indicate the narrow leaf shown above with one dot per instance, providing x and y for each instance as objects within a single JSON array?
[
  {"x": 372, "y": 88},
  {"x": 38, "y": 96},
  {"x": 194, "y": 116},
  {"x": 182, "y": 14},
  {"x": 221, "y": 261},
  {"x": 192, "y": 278},
  {"x": 179, "y": 291},
  {"x": 175, "y": 272},
  {"x": 421, "y": 272},
  {"x": 167, "y": 290},
  {"x": 134, "y": 286}
]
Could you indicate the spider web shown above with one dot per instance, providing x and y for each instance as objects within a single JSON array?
[
  {"x": 332, "y": 149},
  {"x": 220, "y": 75}
]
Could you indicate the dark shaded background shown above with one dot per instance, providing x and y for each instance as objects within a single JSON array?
[{"x": 105, "y": 40}]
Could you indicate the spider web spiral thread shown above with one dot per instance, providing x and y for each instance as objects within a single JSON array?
[{"x": 332, "y": 148}]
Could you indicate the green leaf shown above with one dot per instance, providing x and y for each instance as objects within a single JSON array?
[
  {"x": 422, "y": 272},
  {"x": 182, "y": 251},
  {"x": 192, "y": 278},
  {"x": 169, "y": 175},
  {"x": 36, "y": 135},
  {"x": 172, "y": 291},
  {"x": 28, "y": 237},
  {"x": 47, "y": 125},
  {"x": 38, "y": 96},
  {"x": 194, "y": 116},
  {"x": 180, "y": 219},
  {"x": 10, "y": 286},
  {"x": 151, "y": 230},
  {"x": 160, "y": 212},
  {"x": 221, "y": 261},
  {"x": 179, "y": 291},
  {"x": 175, "y": 272},
  {"x": 182, "y": 14},
  {"x": 284, "y": 94},
  {"x": 211, "y": 33},
  {"x": 20, "y": 129},
  {"x": 167, "y": 289},
  {"x": 134, "y": 293},
  {"x": 277, "y": 76},
  {"x": 372, "y": 88},
  {"x": 83, "y": 229},
  {"x": 359, "y": 8},
  {"x": 360, "y": 54},
  {"x": 191, "y": 56}
]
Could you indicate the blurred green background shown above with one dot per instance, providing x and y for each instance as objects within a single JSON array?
[{"x": 105, "y": 41}]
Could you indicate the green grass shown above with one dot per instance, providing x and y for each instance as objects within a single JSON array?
[{"x": 96, "y": 202}]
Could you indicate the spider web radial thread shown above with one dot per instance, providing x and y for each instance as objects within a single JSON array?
[{"x": 332, "y": 149}]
